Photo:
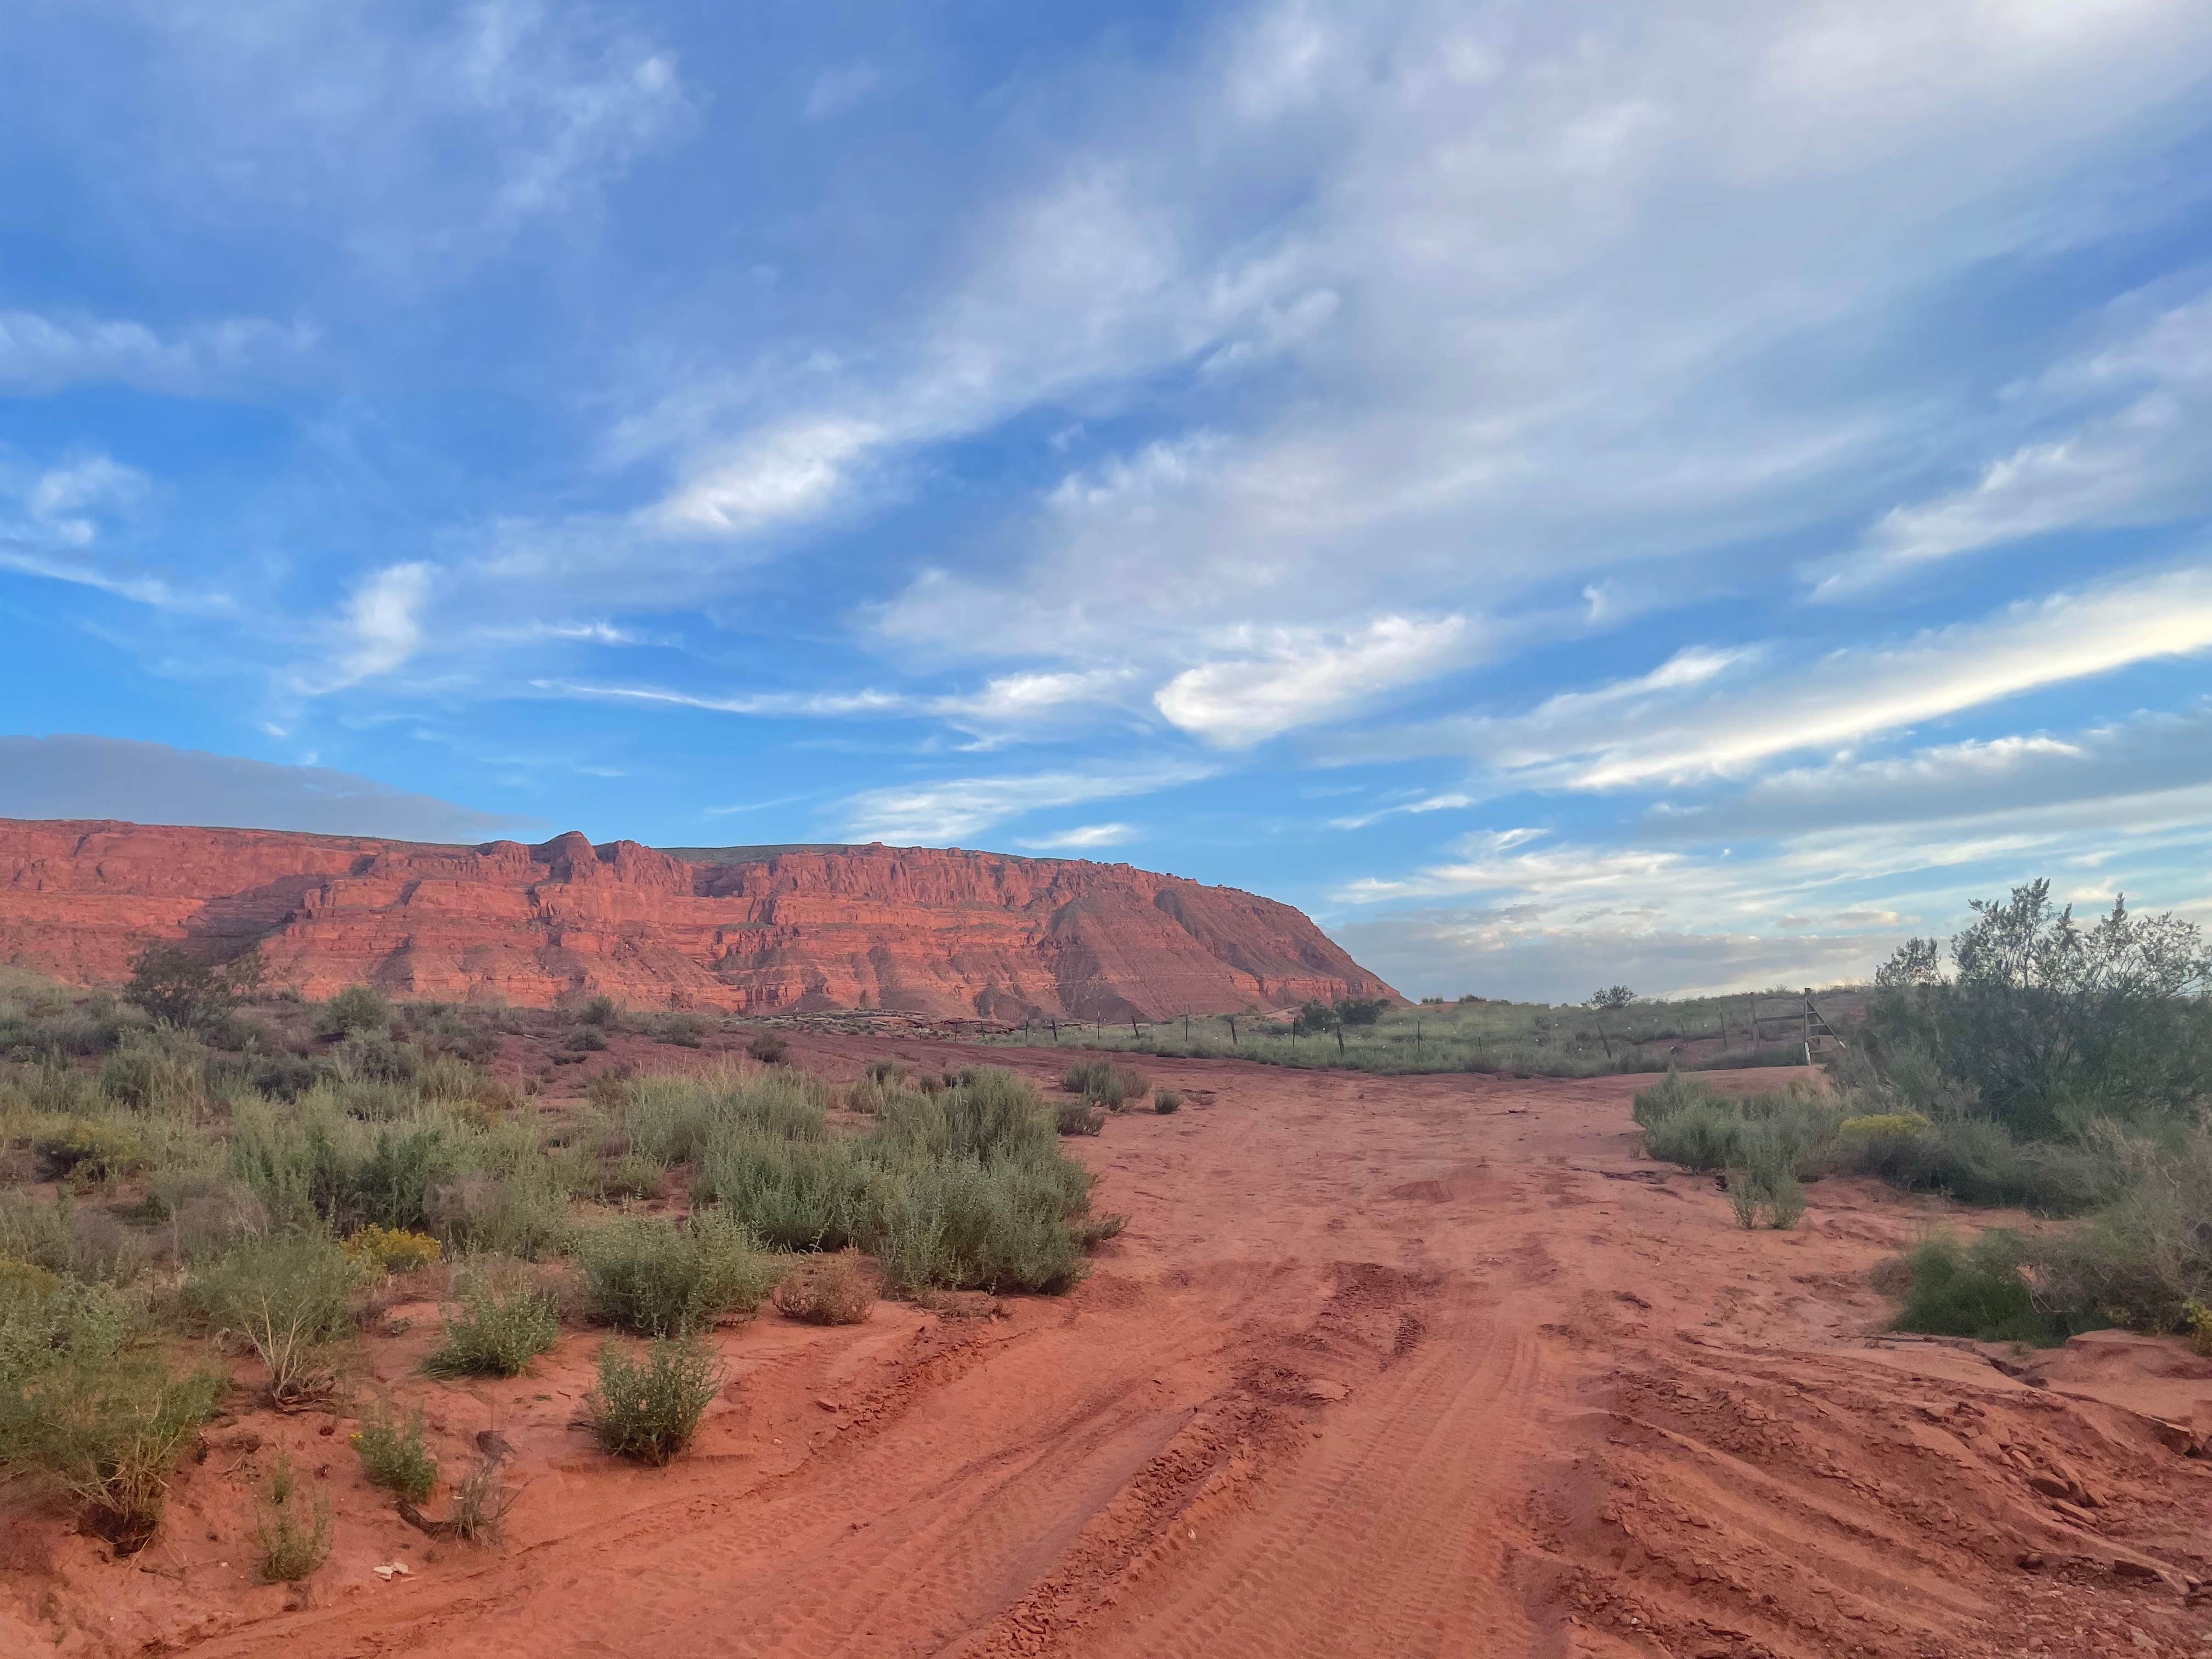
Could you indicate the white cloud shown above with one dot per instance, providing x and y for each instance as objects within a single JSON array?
[
  {"x": 1008, "y": 700},
  {"x": 2147, "y": 462},
  {"x": 1701, "y": 717},
  {"x": 63, "y": 498},
  {"x": 1426, "y": 804},
  {"x": 1083, "y": 838},
  {"x": 1578, "y": 278},
  {"x": 953, "y": 809},
  {"x": 42, "y": 354},
  {"x": 1296, "y": 679},
  {"x": 382, "y": 629},
  {"x": 782, "y": 475}
]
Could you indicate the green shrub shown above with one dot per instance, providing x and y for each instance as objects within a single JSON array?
[
  {"x": 632, "y": 1175},
  {"x": 670, "y": 1117},
  {"x": 650, "y": 1412},
  {"x": 149, "y": 1077},
  {"x": 89, "y": 1407},
  {"x": 290, "y": 1298},
  {"x": 376, "y": 1057},
  {"x": 1976, "y": 1290},
  {"x": 1686, "y": 1121},
  {"x": 500, "y": 1320},
  {"x": 2045, "y": 1024},
  {"x": 516, "y": 1215},
  {"x": 1111, "y": 1085},
  {"x": 1079, "y": 1117},
  {"x": 88, "y": 1150},
  {"x": 685, "y": 1030},
  {"x": 957, "y": 1223},
  {"x": 792, "y": 1194},
  {"x": 295, "y": 1537},
  {"x": 599, "y": 1011},
  {"x": 768, "y": 1047},
  {"x": 1167, "y": 1101},
  {"x": 989, "y": 1113},
  {"x": 662, "y": 1279},
  {"x": 356, "y": 1008},
  {"x": 392, "y": 1454},
  {"x": 72, "y": 1240},
  {"x": 1704, "y": 1135}
]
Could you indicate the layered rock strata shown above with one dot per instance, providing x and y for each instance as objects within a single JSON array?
[{"x": 931, "y": 931}]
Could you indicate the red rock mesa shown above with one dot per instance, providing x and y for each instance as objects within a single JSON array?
[{"x": 768, "y": 929}]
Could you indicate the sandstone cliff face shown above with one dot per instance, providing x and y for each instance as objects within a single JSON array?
[{"x": 943, "y": 932}]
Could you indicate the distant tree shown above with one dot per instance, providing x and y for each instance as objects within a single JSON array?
[
  {"x": 1357, "y": 1011},
  {"x": 355, "y": 1008},
  {"x": 1605, "y": 1001},
  {"x": 172, "y": 984},
  {"x": 1312, "y": 1018}
]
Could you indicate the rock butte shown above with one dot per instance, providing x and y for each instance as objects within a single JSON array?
[{"x": 938, "y": 932}]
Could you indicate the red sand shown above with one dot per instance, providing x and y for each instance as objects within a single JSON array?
[{"x": 1382, "y": 1366}]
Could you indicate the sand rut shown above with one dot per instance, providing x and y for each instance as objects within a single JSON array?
[{"x": 1308, "y": 1407}]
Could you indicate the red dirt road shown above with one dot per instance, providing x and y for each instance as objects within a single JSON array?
[{"x": 1382, "y": 1366}]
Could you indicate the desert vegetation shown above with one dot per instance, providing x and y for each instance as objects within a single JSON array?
[
  {"x": 2033, "y": 1062},
  {"x": 207, "y": 1200},
  {"x": 1614, "y": 1031}
]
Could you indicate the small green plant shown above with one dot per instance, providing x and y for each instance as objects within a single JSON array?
[
  {"x": 1764, "y": 1189},
  {"x": 294, "y": 1536},
  {"x": 827, "y": 1290},
  {"x": 768, "y": 1048},
  {"x": 480, "y": 1502},
  {"x": 662, "y": 1279},
  {"x": 599, "y": 1011},
  {"x": 290, "y": 1299},
  {"x": 649, "y": 1413},
  {"x": 2196, "y": 1319},
  {"x": 501, "y": 1321},
  {"x": 1167, "y": 1101},
  {"x": 392, "y": 1454}
]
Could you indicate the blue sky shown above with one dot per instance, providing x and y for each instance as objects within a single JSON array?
[{"x": 1678, "y": 494}]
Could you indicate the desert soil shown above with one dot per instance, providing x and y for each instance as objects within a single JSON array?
[{"x": 1381, "y": 1366}]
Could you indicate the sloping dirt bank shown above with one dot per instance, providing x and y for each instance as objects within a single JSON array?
[{"x": 1382, "y": 1366}]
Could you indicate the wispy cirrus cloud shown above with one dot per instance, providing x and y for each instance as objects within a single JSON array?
[
  {"x": 948, "y": 810},
  {"x": 41, "y": 354},
  {"x": 1703, "y": 715},
  {"x": 1084, "y": 837},
  {"x": 2147, "y": 461}
]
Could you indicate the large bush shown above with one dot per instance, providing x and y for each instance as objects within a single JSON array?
[
  {"x": 88, "y": 1407},
  {"x": 663, "y": 1278},
  {"x": 2046, "y": 1024}
]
